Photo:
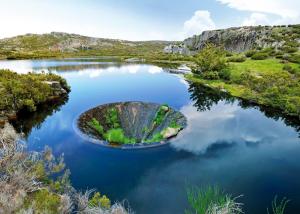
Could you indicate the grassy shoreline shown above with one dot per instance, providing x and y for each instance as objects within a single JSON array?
[
  {"x": 268, "y": 84},
  {"x": 270, "y": 69}
]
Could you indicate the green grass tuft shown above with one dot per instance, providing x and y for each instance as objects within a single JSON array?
[
  {"x": 118, "y": 136},
  {"x": 278, "y": 207},
  {"x": 94, "y": 123},
  {"x": 160, "y": 114}
]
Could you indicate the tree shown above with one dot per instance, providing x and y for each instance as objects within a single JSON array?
[{"x": 211, "y": 58}]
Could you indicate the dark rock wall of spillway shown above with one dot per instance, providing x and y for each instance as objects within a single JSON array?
[{"x": 136, "y": 119}]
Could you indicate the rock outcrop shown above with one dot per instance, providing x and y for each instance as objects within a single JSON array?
[
  {"x": 237, "y": 39},
  {"x": 57, "y": 88}
]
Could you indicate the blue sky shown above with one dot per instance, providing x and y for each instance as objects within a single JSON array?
[{"x": 140, "y": 19}]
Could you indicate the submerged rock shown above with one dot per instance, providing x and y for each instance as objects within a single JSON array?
[{"x": 139, "y": 122}]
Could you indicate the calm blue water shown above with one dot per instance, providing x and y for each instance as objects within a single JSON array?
[{"x": 227, "y": 141}]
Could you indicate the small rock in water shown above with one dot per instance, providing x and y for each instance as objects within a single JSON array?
[{"x": 170, "y": 132}]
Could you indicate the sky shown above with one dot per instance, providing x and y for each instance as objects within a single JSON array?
[{"x": 141, "y": 19}]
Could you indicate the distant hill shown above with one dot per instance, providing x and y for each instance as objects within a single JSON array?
[
  {"x": 241, "y": 39},
  {"x": 64, "y": 44}
]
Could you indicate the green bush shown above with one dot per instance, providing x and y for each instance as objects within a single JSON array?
[
  {"x": 111, "y": 118},
  {"x": 43, "y": 200},
  {"x": 287, "y": 67},
  {"x": 279, "y": 54},
  {"x": 210, "y": 58},
  {"x": 292, "y": 43},
  {"x": 295, "y": 71},
  {"x": 160, "y": 114},
  {"x": 259, "y": 56},
  {"x": 19, "y": 91},
  {"x": 250, "y": 53},
  {"x": 229, "y": 54},
  {"x": 94, "y": 123},
  {"x": 225, "y": 74},
  {"x": 174, "y": 124},
  {"x": 288, "y": 49},
  {"x": 290, "y": 69},
  {"x": 269, "y": 51},
  {"x": 98, "y": 200},
  {"x": 295, "y": 58},
  {"x": 155, "y": 138},
  {"x": 30, "y": 105},
  {"x": 238, "y": 58},
  {"x": 118, "y": 136},
  {"x": 210, "y": 75}
]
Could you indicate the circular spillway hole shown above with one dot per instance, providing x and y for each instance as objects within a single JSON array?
[{"x": 131, "y": 124}]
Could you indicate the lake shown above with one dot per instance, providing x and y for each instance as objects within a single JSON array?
[{"x": 249, "y": 151}]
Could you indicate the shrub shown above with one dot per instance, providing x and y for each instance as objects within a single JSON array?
[
  {"x": 160, "y": 114},
  {"x": 229, "y": 54},
  {"x": 295, "y": 58},
  {"x": 210, "y": 75},
  {"x": 292, "y": 43},
  {"x": 295, "y": 71},
  {"x": 211, "y": 58},
  {"x": 270, "y": 51},
  {"x": 118, "y": 136},
  {"x": 287, "y": 67},
  {"x": 290, "y": 69},
  {"x": 20, "y": 91},
  {"x": 98, "y": 200},
  {"x": 225, "y": 74},
  {"x": 279, "y": 54},
  {"x": 30, "y": 105},
  {"x": 111, "y": 118},
  {"x": 250, "y": 53},
  {"x": 155, "y": 138},
  {"x": 29, "y": 182},
  {"x": 44, "y": 200},
  {"x": 238, "y": 58},
  {"x": 94, "y": 123},
  {"x": 259, "y": 56},
  {"x": 288, "y": 49}
]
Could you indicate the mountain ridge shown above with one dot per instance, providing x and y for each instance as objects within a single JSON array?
[
  {"x": 60, "y": 43},
  {"x": 240, "y": 39}
]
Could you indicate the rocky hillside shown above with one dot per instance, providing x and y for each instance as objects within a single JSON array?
[
  {"x": 55, "y": 43},
  {"x": 241, "y": 39}
]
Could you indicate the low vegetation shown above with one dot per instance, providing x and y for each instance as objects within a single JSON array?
[
  {"x": 213, "y": 200},
  {"x": 19, "y": 91},
  {"x": 263, "y": 80},
  {"x": 118, "y": 136},
  {"x": 55, "y": 44},
  {"x": 160, "y": 115},
  {"x": 37, "y": 182},
  {"x": 114, "y": 133},
  {"x": 278, "y": 208}
]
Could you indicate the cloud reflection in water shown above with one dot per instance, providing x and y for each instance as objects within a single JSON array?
[{"x": 226, "y": 124}]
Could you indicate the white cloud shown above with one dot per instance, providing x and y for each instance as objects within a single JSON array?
[
  {"x": 283, "y": 8},
  {"x": 200, "y": 22},
  {"x": 287, "y": 11},
  {"x": 256, "y": 19}
]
